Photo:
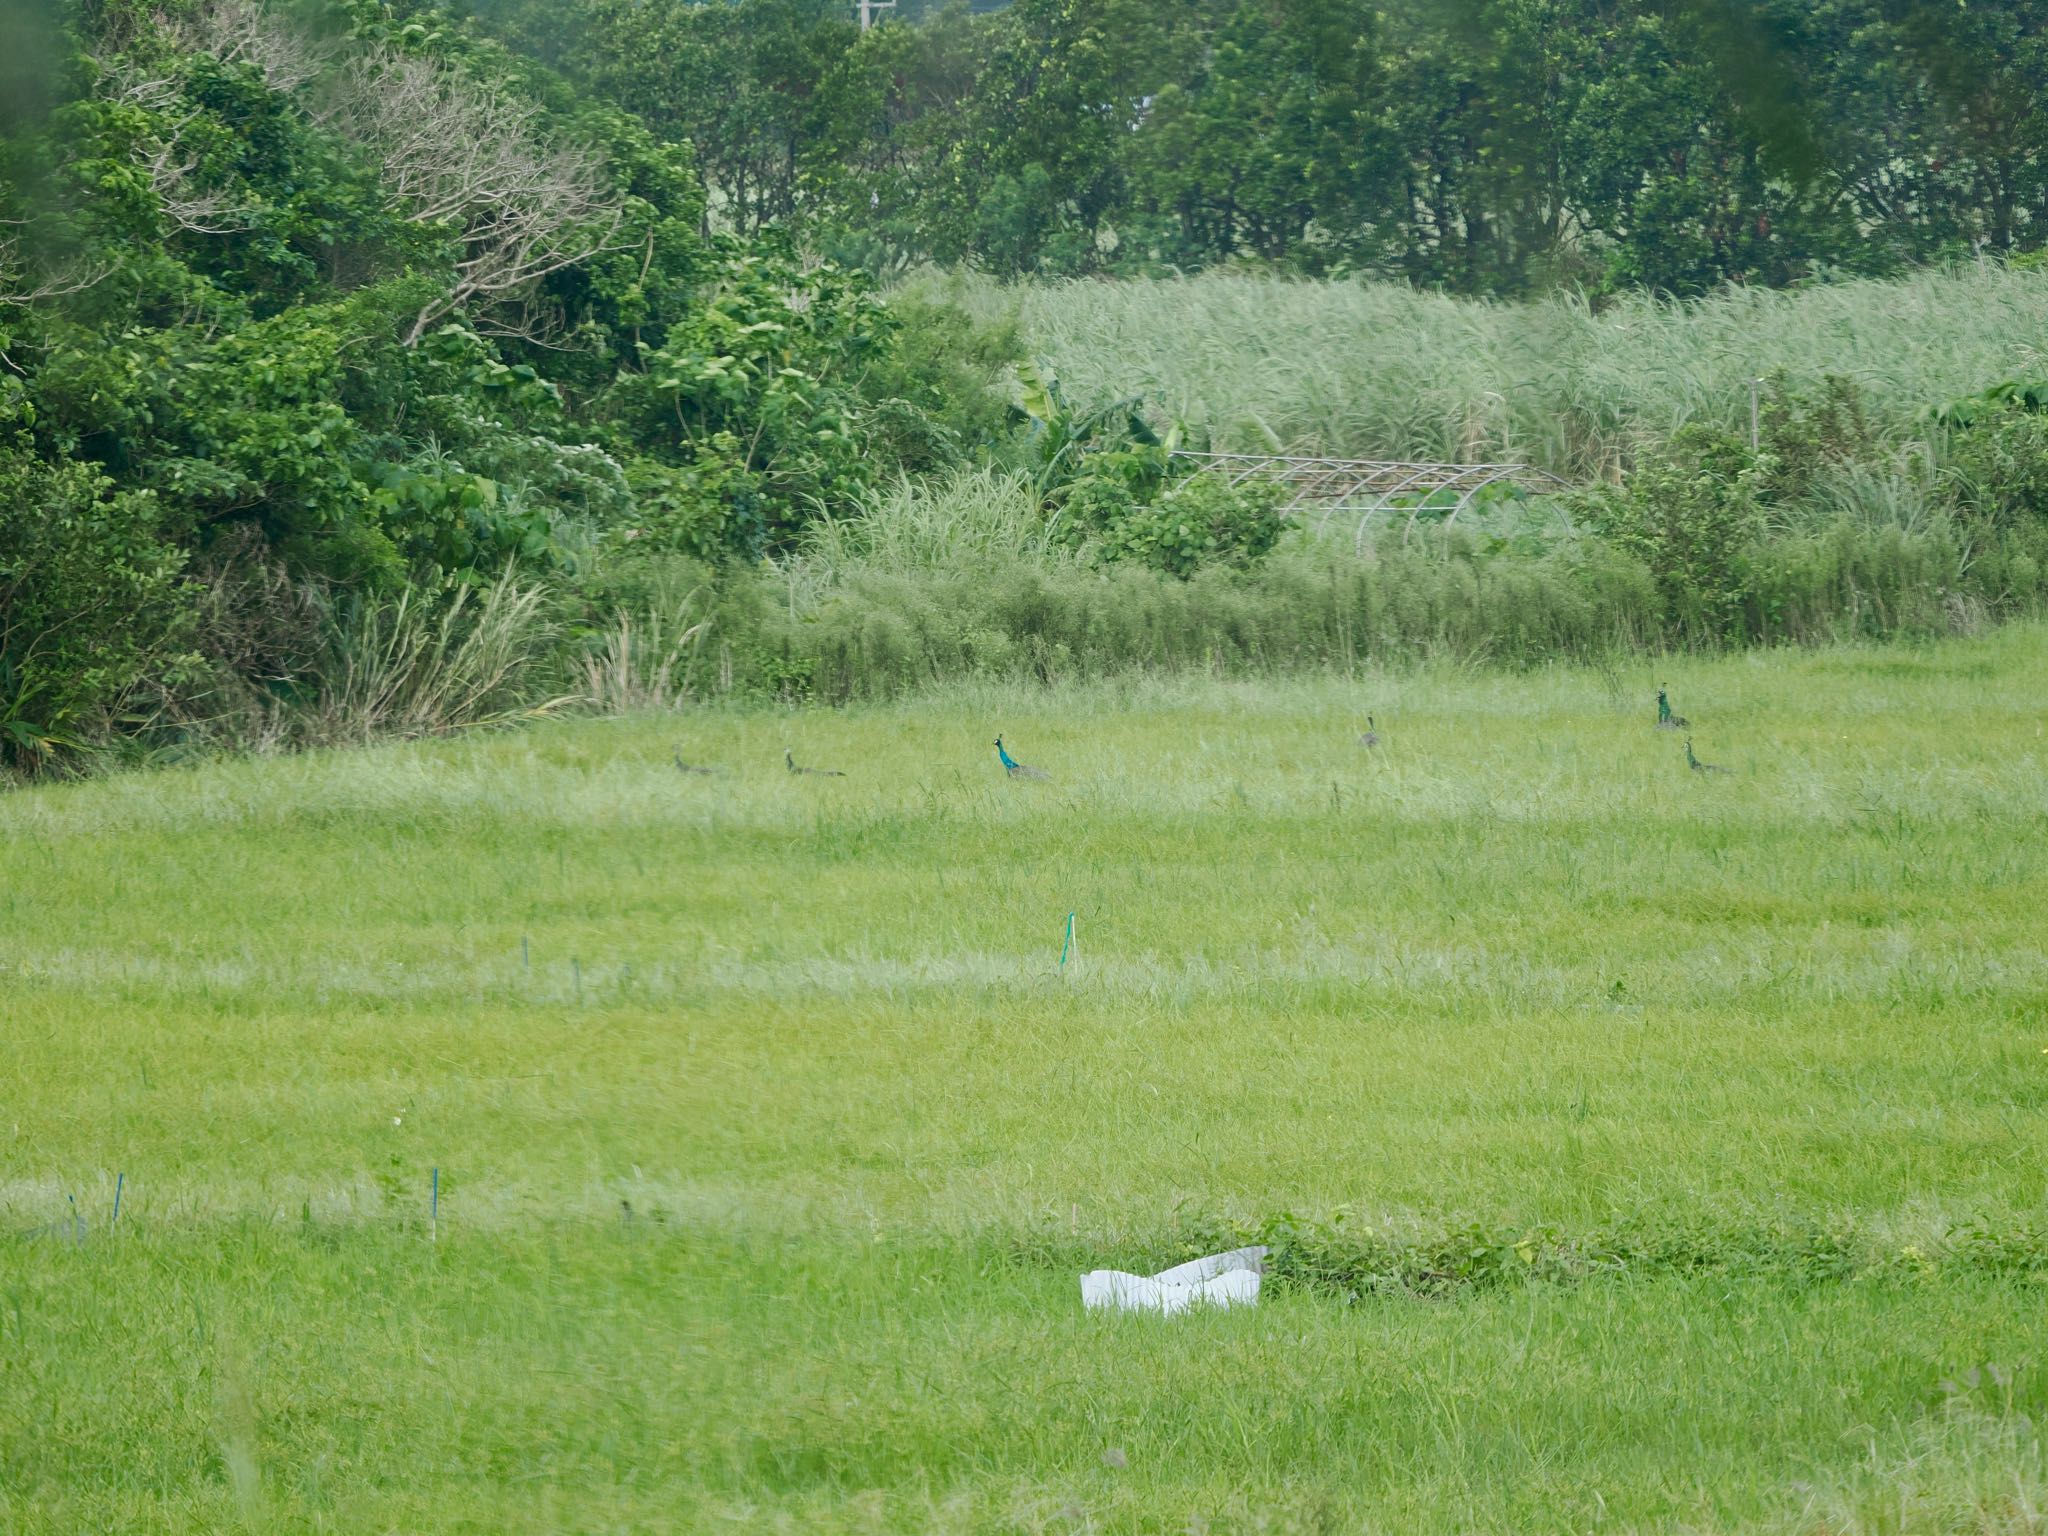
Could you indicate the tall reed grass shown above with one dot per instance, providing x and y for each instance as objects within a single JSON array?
[
  {"x": 647, "y": 661},
  {"x": 1368, "y": 370},
  {"x": 412, "y": 667},
  {"x": 981, "y": 514},
  {"x": 299, "y": 664}
]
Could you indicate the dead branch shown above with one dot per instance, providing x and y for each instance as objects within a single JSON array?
[
  {"x": 247, "y": 32},
  {"x": 18, "y": 288},
  {"x": 475, "y": 159},
  {"x": 163, "y": 157}
]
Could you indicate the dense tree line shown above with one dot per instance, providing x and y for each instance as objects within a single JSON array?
[
  {"x": 301, "y": 307},
  {"x": 1484, "y": 146}
]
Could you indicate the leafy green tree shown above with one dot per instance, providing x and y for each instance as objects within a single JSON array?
[
  {"x": 92, "y": 606},
  {"x": 1275, "y": 135},
  {"x": 762, "y": 379}
]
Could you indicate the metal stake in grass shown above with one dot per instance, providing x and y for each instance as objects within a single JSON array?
[
  {"x": 77, "y": 1221},
  {"x": 434, "y": 1207},
  {"x": 1068, "y": 948},
  {"x": 119, "y": 1180}
]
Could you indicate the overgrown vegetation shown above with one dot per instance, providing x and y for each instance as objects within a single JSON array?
[
  {"x": 345, "y": 344},
  {"x": 305, "y": 303}
]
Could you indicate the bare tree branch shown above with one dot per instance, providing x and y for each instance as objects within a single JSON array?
[
  {"x": 475, "y": 159},
  {"x": 163, "y": 158},
  {"x": 246, "y": 32},
  {"x": 199, "y": 212},
  {"x": 17, "y": 287},
  {"x": 455, "y": 154}
]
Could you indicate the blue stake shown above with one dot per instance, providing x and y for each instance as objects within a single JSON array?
[
  {"x": 434, "y": 1208},
  {"x": 119, "y": 1180},
  {"x": 1068, "y": 947},
  {"x": 77, "y": 1221}
]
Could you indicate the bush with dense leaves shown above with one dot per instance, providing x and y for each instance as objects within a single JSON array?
[
  {"x": 93, "y": 606},
  {"x": 1198, "y": 521}
]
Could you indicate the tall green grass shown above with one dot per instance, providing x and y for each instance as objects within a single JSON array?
[
  {"x": 1370, "y": 370},
  {"x": 772, "y": 1133}
]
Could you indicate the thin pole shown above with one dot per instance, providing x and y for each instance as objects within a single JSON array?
[
  {"x": 1752, "y": 414},
  {"x": 119, "y": 1180},
  {"x": 434, "y": 1209}
]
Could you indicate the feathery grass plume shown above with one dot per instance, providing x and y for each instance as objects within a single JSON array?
[
  {"x": 647, "y": 665},
  {"x": 969, "y": 517},
  {"x": 408, "y": 666}
]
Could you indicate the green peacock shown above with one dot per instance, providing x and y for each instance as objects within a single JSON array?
[
  {"x": 1667, "y": 721},
  {"x": 1015, "y": 769},
  {"x": 1693, "y": 762}
]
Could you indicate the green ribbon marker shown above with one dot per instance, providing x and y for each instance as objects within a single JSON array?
[{"x": 1068, "y": 947}]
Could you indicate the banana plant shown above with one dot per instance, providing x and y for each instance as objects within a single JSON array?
[{"x": 1060, "y": 436}]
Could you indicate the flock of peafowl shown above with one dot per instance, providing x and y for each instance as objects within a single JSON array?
[
  {"x": 1667, "y": 721},
  {"x": 1369, "y": 739}
]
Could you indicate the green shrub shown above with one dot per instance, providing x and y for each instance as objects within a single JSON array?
[
  {"x": 1201, "y": 520},
  {"x": 760, "y": 378},
  {"x": 1996, "y": 465},
  {"x": 1843, "y": 581},
  {"x": 1690, "y": 514},
  {"x": 710, "y": 510},
  {"x": 932, "y": 396},
  {"x": 92, "y": 606}
]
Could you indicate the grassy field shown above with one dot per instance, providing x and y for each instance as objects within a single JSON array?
[{"x": 1647, "y": 1150}]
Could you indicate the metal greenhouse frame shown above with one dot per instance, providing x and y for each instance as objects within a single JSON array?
[{"x": 1369, "y": 487}]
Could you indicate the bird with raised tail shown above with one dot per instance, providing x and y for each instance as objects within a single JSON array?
[{"x": 1015, "y": 769}]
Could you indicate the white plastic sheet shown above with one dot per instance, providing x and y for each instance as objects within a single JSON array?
[{"x": 1220, "y": 1280}]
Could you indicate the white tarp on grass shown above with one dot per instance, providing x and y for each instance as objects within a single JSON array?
[{"x": 1221, "y": 1280}]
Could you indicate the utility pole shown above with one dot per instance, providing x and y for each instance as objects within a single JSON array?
[{"x": 867, "y": 8}]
